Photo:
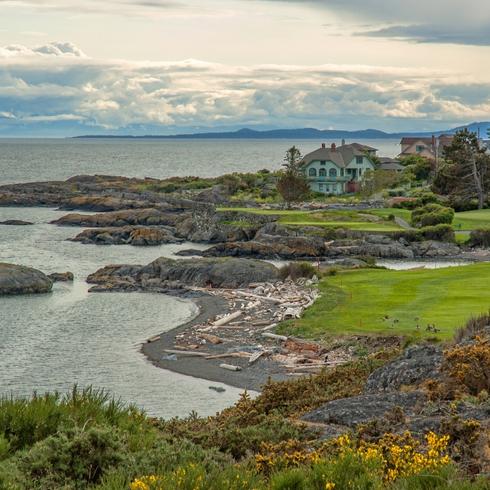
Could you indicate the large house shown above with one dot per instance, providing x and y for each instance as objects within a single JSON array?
[
  {"x": 431, "y": 148},
  {"x": 337, "y": 169}
]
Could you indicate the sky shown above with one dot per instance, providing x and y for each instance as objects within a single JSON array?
[{"x": 70, "y": 67}]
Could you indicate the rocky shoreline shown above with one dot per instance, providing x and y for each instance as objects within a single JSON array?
[{"x": 230, "y": 278}]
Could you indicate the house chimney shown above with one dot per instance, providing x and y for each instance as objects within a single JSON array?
[
  {"x": 323, "y": 145},
  {"x": 333, "y": 147}
]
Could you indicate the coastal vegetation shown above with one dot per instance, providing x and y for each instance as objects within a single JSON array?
[{"x": 415, "y": 303}]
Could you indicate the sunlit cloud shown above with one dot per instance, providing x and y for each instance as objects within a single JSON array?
[{"x": 58, "y": 83}]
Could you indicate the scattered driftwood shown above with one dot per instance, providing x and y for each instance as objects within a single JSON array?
[
  {"x": 154, "y": 339},
  {"x": 274, "y": 336},
  {"x": 227, "y": 319},
  {"x": 213, "y": 339},
  {"x": 230, "y": 367},
  {"x": 186, "y": 353},
  {"x": 229, "y": 354},
  {"x": 255, "y": 357}
]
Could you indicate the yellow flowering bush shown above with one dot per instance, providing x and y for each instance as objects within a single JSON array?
[
  {"x": 287, "y": 454},
  {"x": 400, "y": 455}
]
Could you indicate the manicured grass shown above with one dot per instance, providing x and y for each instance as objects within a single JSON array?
[
  {"x": 470, "y": 220},
  {"x": 465, "y": 221},
  {"x": 357, "y": 302},
  {"x": 339, "y": 219}
]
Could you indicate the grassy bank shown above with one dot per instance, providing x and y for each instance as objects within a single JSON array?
[
  {"x": 377, "y": 301},
  {"x": 352, "y": 220}
]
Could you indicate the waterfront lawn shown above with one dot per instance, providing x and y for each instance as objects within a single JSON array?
[
  {"x": 387, "y": 302},
  {"x": 464, "y": 221},
  {"x": 334, "y": 219}
]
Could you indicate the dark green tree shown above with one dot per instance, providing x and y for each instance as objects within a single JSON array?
[
  {"x": 292, "y": 184},
  {"x": 466, "y": 169}
]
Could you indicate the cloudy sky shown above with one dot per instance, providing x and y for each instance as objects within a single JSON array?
[{"x": 164, "y": 66}]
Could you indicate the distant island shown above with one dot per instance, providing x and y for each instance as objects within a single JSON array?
[{"x": 302, "y": 133}]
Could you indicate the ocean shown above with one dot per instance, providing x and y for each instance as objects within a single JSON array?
[{"x": 27, "y": 160}]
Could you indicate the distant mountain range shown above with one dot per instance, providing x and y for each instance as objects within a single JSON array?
[{"x": 305, "y": 133}]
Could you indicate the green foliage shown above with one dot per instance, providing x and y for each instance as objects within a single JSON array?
[
  {"x": 465, "y": 173},
  {"x": 441, "y": 233},
  {"x": 480, "y": 237},
  {"x": 431, "y": 215},
  {"x": 420, "y": 167}
]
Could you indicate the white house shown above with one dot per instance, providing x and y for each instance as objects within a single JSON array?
[{"x": 338, "y": 169}]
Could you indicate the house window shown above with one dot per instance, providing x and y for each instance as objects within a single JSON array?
[
  {"x": 341, "y": 172},
  {"x": 321, "y": 188},
  {"x": 328, "y": 188},
  {"x": 312, "y": 172},
  {"x": 332, "y": 172},
  {"x": 323, "y": 162},
  {"x": 419, "y": 148},
  {"x": 359, "y": 160},
  {"x": 322, "y": 172},
  {"x": 360, "y": 172}
]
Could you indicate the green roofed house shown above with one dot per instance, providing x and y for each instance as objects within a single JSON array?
[{"x": 337, "y": 169}]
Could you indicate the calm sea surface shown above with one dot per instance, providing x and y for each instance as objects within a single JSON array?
[
  {"x": 25, "y": 160},
  {"x": 50, "y": 342}
]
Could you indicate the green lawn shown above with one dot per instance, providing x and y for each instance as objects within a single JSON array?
[
  {"x": 357, "y": 302},
  {"x": 469, "y": 220},
  {"x": 465, "y": 221},
  {"x": 339, "y": 219}
]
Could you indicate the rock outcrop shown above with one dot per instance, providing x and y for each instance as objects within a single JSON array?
[
  {"x": 144, "y": 217},
  {"x": 15, "y": 222},
  {"x": 128, "y": 235},
  {"x": 61, "y": 276},
  {"x": 18, "y": 279},
  {"x": 168, "y": 273}
]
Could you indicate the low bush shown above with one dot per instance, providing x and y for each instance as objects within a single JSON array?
[
  {"x": 480, "y": 237},
  {"x": 469, "y": 366},
  {"x": 432, "y": 215},
  {"x": 441, "y": 233},
  {"x": 297, "y": 270}
]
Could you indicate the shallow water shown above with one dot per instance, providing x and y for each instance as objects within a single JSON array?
[
  {"x": 49, "y": 342},
  {"x": 402, "y": 265}
]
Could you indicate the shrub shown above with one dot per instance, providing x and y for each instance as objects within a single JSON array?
[
  {"x": 441, "y": 233},
  {"x": 480, "y": 237},
  {"x": 431, "y": 215},
  {"x": 469, "y": 366},
  {"x": 297, "y": 270}
]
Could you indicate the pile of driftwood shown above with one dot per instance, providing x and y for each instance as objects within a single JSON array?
[{"x": 245, "y": 331}]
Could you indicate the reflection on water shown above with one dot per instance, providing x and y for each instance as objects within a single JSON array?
[
  {"x": 50, "y": 342},
  {"x": 401, "y": 265}
]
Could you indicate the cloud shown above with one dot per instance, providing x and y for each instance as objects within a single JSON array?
[
  {"x": 111, "y": 7},
  {"x": 479, "y": 36},
  {"x": 434, "y": 21},
  {"x": 54, "y": 49},
  {"x": 57, "y": 84}
]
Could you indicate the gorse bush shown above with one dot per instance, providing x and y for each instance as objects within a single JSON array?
[{"x": 431, "y": 215}]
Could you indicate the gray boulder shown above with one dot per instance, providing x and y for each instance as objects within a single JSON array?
[
  {"x": 417, "y": 364},
  {"x": 17, "y": 279},
  {"x": 350, "y": 412},
  {"x": 168, "y": 273},
  {"x": 219, "y": 273}
]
